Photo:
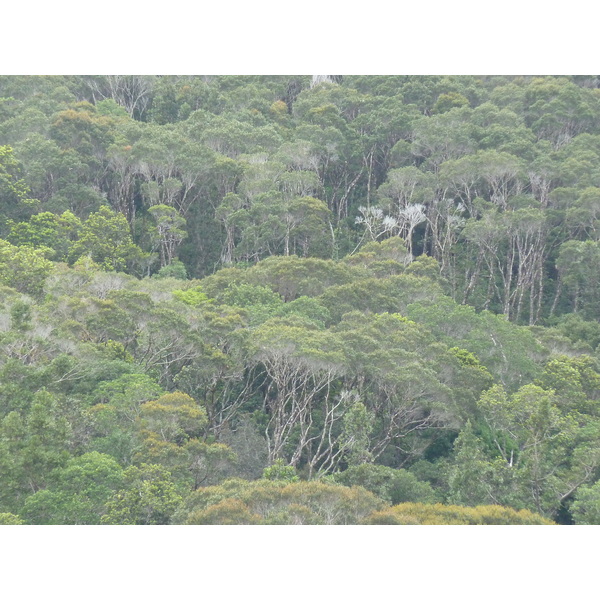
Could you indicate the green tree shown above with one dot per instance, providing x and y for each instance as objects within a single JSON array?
[
  {"x": 24, "y": 268},
  {"x": 10, "y": 519},
  {"x": 171, "y": 427},
  {"x": 76, "y": 493},
  {"x": 14, "y": 193},
  {"x": 117, "y": 406},
  {"x": 32, "y": 446},
  {"x": 301, "y": 364},
  {"x": 279, "y": 471},
  {"x": 586, "y": 507},
  {"x": 106, "y": 239},
  {"x": 170, "y": 231},
  {"x": 48, "y": 230},
  {"x": 149, "y": 497},
  {"x": 577, "y": 264},
  {"x": 392, "y": 485},
  {"x": 475, "y": 479}
]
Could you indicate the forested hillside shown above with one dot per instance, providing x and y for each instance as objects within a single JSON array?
[{"x": 296, "y": 299}]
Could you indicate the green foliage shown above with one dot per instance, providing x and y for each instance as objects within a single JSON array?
[
  {"x": 20, "y": 315},
  {"x": 118, "y": 404},
  {"x": 260, "y": 301},
  {"x": 106, "y": 239},
  {"x": 381, "y": 259},
  {"x": 370, "y": 278},
  {"x": 23, "y": 268},
  {"x": 176, "y": 270},
  {"x": 446, "y": 102},
  {"x": 357, "y": 426},
  {"x": 192, "y": 296},
  {"x": 392, "y": 485},
  {"x": 473, "y": 479},
  {"x": 586, "y": 507},
  {"x": 576, "y": 382},
  {"x": 392, "y": 294},
  {"x": 149, "y": 497},
  {"x": 14, "y": 192},
  {"x": 292, "y": 277},
  {"x": 169, "y": 230},
  {"x": 47, "y": 230},
  {"x": 577, "y": 329},
  {"x": 31, "y": 446},
  {"x": 279, "y": 471},
  {"x": 77, "y": 493},
  {"x": 230, "y": 511}
]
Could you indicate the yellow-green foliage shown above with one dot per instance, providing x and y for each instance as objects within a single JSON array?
[
  {"x": 173, "y": 417},
  {"x": 411, "y": 513},
  {"x": 22, "y": 268},
  {"x": 278, "y": 503},
  {"x": 192, "y": 296},
  {"x": 230, "y": 511},
  {"x": 10, "y": 519}
]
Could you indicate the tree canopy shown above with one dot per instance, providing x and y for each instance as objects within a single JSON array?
[{"x": 277, "y": 299}]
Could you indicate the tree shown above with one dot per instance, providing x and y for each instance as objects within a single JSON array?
[
  {"x": 149, "y": 497},
  {"x": 77, "y": 493},
  {"x": 547, "y": 448},
  {"x": 47, "y": 230},
  {"x": 301, "y": 365},
  {"x": 292, "y": 276},
  {"x": 133, "y": 92},
  {"x": 173, "y": 417},
  {"x": 405, "y": 186},
  {"x": 586, "y": 508},
  {"x": 446, "y": 102},
  {"x": 24, "y": 268},
  {"x": 473, "y": 478},
  {"x": 117, "y": 407},
  {"x": 577, "y": 267},
  {"x": 106, "y": 239},
  {"x": 391, "y": 485},
  {"x": 390, "y": 365},
  {"x": 557, "y": 109},
  {"x": 170, "y": 229},
  {"x": 31, "y": 446},
  {"x": 171, "y": 427},
  {"x": 14, "y": 192},
  {"x": 439, "y": 138},
  {"x": 279, "y": 471},
  {"x": 278, "y": 502},
  {"x": 10, "y": 519},
  {"x": 439, "y": 514}
]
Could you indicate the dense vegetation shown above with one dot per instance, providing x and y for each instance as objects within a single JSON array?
[{"x": 292, "y": 300}]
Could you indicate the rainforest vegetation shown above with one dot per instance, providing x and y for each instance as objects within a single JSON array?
[{"x": 299, "y": 300}]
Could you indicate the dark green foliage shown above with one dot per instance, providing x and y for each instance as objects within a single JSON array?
[{"x": 392, "y": 485}]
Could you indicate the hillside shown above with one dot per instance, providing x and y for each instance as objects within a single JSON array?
[{"x": 361, "y": 300}]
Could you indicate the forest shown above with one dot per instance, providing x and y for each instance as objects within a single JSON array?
[{"x": 299, "y": 300}]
